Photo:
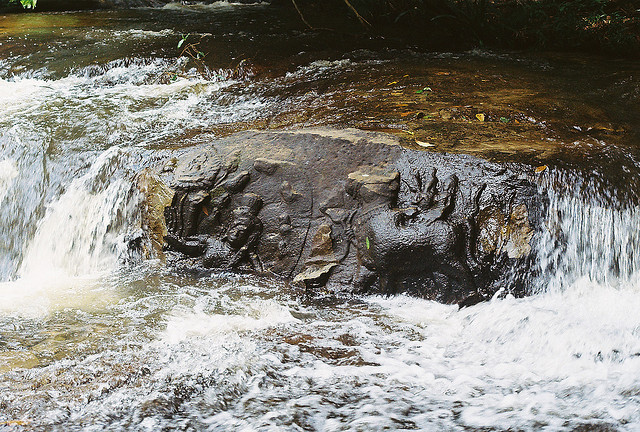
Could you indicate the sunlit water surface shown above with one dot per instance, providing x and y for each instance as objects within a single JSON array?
[{"x": 95, "y": 338}]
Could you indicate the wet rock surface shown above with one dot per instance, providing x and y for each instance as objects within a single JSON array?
[{"x": 353, "y": 210}]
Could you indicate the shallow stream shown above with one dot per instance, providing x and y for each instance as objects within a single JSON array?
[{"x": 92, "y": 338}]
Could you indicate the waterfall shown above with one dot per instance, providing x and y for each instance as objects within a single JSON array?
[
  {"x": 83, "y": 236},
  {"x": 85, "y": 229},
  {"x": 8, "y": 172},
  {"x": 64, "y": 139},
  {"x": 585, "y": 235}
]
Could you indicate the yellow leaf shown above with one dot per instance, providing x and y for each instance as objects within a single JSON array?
[
  {"x": 424, "y": 144},
  {"x": 480, "y": 117},
  {"x": 404, "y": 114},
  {"x": 541, "y": 168},
  {"x": 392, "y": 83}
]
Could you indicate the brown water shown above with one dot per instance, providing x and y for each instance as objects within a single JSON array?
[
  {"x": 534, "y": 106},
  {"x": 93, "y": 339}
]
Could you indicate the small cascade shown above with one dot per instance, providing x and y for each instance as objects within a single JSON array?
[
  {"x": 90, "y": 99},
  {"x": 85, "y": 230},
  {"x": 8, "y": 172},
  {"x": 585, "y": 235},
  {"x": 25, "y": 186},
  {"x": 56, "y": 132}
]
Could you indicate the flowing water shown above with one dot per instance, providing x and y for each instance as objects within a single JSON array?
[{"x": 94, "y": 337}]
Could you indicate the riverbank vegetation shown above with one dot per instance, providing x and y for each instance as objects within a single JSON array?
[
  {"x": 610, "y": 27},
  {"x": 602, "y": 26},
  {"x": 26, "y": 4}
]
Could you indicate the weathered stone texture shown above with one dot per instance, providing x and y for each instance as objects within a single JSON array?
[{"x": 353, "y": 210}]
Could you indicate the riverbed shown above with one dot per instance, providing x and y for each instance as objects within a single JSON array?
[{"x": 93, "y": 337}]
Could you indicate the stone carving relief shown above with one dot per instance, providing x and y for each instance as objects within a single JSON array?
[{"x": 400, "y": 226}]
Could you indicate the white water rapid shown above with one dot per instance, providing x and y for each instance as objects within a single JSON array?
[{"x": 93, "y": 339}]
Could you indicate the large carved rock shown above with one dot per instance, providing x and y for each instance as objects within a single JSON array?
[{"x": 353, "y": 210}]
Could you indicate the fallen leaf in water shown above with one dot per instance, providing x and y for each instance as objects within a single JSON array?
[
  {"x": 480, "y": 117},
  {"x": 424, "y": 144},
  {"x": 392, "y": 83},
  {"x": 15, "y": 423},
  {"x": 404, "y": 114},
  {"x": 443, "y": 73},
  {"x": 540, "y": 169},
  {"x": 409, "y": 132},
  {"x": 446, "y": 115}
]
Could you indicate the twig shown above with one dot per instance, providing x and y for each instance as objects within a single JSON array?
[
  {"x": 302, "y": 16},
  {"x": 362, "y": 20}
]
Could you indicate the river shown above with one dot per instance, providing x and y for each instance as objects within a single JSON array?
[{"x": 93, "y": 337}]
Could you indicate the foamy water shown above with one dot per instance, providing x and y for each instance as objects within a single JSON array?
[
  {"x": 84, "y": 230},
  {"x": 212, "y": 7},
  {"x": 53, "y": 131},
  {"x": 548, "y": 361},
  {"x": 587, "y": 236},
  {"x": 119, "y": 103},
  {"x": 8, "y": 172},
  {"x": 93, "y": 338}
]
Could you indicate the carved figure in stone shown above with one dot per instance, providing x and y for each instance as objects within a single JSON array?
[
  {"x": 366, "y": 215},
  {"x": 238, "y": 245},
  {"x": 418, "y": 244},
  {"x": 194, "y": 226}
]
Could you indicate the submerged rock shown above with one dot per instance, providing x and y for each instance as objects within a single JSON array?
[{"x": 353, "y": 210}]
